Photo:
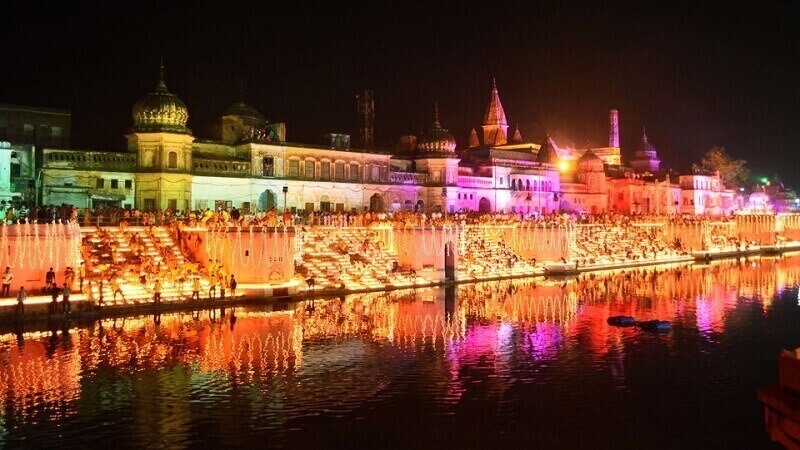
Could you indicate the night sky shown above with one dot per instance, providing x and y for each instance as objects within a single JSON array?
[{"x": 696, "y": 76}]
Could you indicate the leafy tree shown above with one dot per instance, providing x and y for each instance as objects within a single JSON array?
[{"x": 732, "y": 172}]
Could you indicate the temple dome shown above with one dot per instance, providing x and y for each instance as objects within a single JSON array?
[
  {"x": 645, "y": 148},
  {"x": 160, "y": 111},
  {"x": 547, "y": 153},
  {"x": 436, "y": 141},
  {"x": 589, "y": 162},
  {"x": 245, "y": 111}
]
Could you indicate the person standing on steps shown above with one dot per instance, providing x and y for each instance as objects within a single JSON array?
[
  {"x": 7, "y": 277},
  {"x": 54, "y": 293},
  {"x": 66, "y": 308},
  {"x": 223, "y": 284},
  {"x": 50, "y": 279},
  {"x": 21, "y": 297},
  {"x": 233, "y": 286},
  {"x": 196, "y": 289},
  {"x": 212, "y": 288},
  {"x": 157, "y": 293}
]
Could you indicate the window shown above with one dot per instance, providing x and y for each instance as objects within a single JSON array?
[
  {"x": 294, "y": 168},
  {"x": 309, "y": 170},
  {"x": 354, "y": 172},
  {"x": 376, "y": 173},
  {"x": 16, "y": 170},
  {"x": 172, "y": 162},
  {"x": 268, "y": 166},
  {"x": 101, "y": 183},
  {"x": 325, "y": 170},
  {"x": 114, "y": 184},
  {"x": 339, "y": 175},
  {"x": 149, "y": 204},
  {"x": 128, "y": 184}
]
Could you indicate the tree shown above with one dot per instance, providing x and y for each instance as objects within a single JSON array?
[{"x": 732, "y": 172}]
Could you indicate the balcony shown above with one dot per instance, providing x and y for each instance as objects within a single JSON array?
[
  {"x": 408, "y": 178},
  {"x": 221, "y": 168}
]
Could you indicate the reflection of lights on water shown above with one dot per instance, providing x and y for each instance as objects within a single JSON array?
[{"x": 487, "y": 319}]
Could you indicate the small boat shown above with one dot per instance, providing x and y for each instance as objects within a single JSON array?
[
  {"x": 621, "y": 321},
  {"x": 655, "y": 326},
  {"x": 560, "y": 268}
]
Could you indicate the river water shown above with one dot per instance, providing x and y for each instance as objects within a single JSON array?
[{"x": 526, "y": 364}]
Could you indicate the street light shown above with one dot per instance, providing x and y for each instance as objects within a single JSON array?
[
  {"x": 285, "y": 191},
  {"x": 444, "y": 202}
]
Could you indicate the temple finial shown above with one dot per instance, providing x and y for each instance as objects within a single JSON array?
[
  {"x": 644, "y": 133},
  {"x": 436, "y": 114},
  {"x": 494, "y": 83},
  {"x": 161, "y": 70},
  {"x": 241, "y": 91}
]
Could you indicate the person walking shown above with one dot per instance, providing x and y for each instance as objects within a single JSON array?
[
  {"x": 157, "y": 293},
  {"x": 233, "y": 286},
  {"x": 115, "y": 289},
  {"x": 7, "y": 277},
  {"x": 212, "y": 289},
  {"x": 66, "y": 308},
  {"x": 21, "y": 297}
]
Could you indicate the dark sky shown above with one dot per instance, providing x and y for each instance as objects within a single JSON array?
[{"x": 696, "y": 75}]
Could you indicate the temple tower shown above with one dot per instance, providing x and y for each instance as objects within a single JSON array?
[
  {"x": 613, "y": 128},
  {"x": 495, "y": 126}
]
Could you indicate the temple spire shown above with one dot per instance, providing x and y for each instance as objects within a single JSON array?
[
  {"x": 495, "y": 126},
  {"x": 517, "y": 139},
  {"x": 495, "y": 115},
  {"x": 473, "y": 139},
  {"x": 161, "y": 86}
]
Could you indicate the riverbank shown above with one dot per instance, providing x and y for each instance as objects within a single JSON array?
[{"x": 37, "y": 309}]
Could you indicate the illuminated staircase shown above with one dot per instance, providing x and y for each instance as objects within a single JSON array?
[
  {"x": 485, "y": 256},
  {"x": 336, "y": 257},
  {"x": 111, "y": 252}
]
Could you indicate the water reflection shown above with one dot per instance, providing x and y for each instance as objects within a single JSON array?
[{"x": 248, "y": 369}]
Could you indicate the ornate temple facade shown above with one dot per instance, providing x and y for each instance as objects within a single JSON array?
[{"x": 246, "y": 162}]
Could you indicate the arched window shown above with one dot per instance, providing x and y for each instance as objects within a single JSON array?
[
  {"x": 527, "y": 185},
  {"x": 172, "y": 160}
]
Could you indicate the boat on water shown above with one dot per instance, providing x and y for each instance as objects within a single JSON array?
[
  {"x": 782, "y": 401},
  {"x": 561, "y": 268}
]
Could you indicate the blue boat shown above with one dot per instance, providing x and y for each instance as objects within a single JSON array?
[
  {"x": 655, "y": 326},
  {"x": 621, "y": 321}
]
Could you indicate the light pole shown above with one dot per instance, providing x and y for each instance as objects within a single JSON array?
[
  {"x": 285, "y": 191},
  {"x": 444, "y": 202}
]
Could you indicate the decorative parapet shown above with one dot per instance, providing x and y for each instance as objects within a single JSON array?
[
  {"x": 87, "y": 160},
  {"x": 478, "y": 182},
  {"x": 408, "y": 178},
  {"x": 221, "y": 167}
]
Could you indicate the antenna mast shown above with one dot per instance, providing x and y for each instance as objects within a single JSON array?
[{"x": 366, "y": 108}]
